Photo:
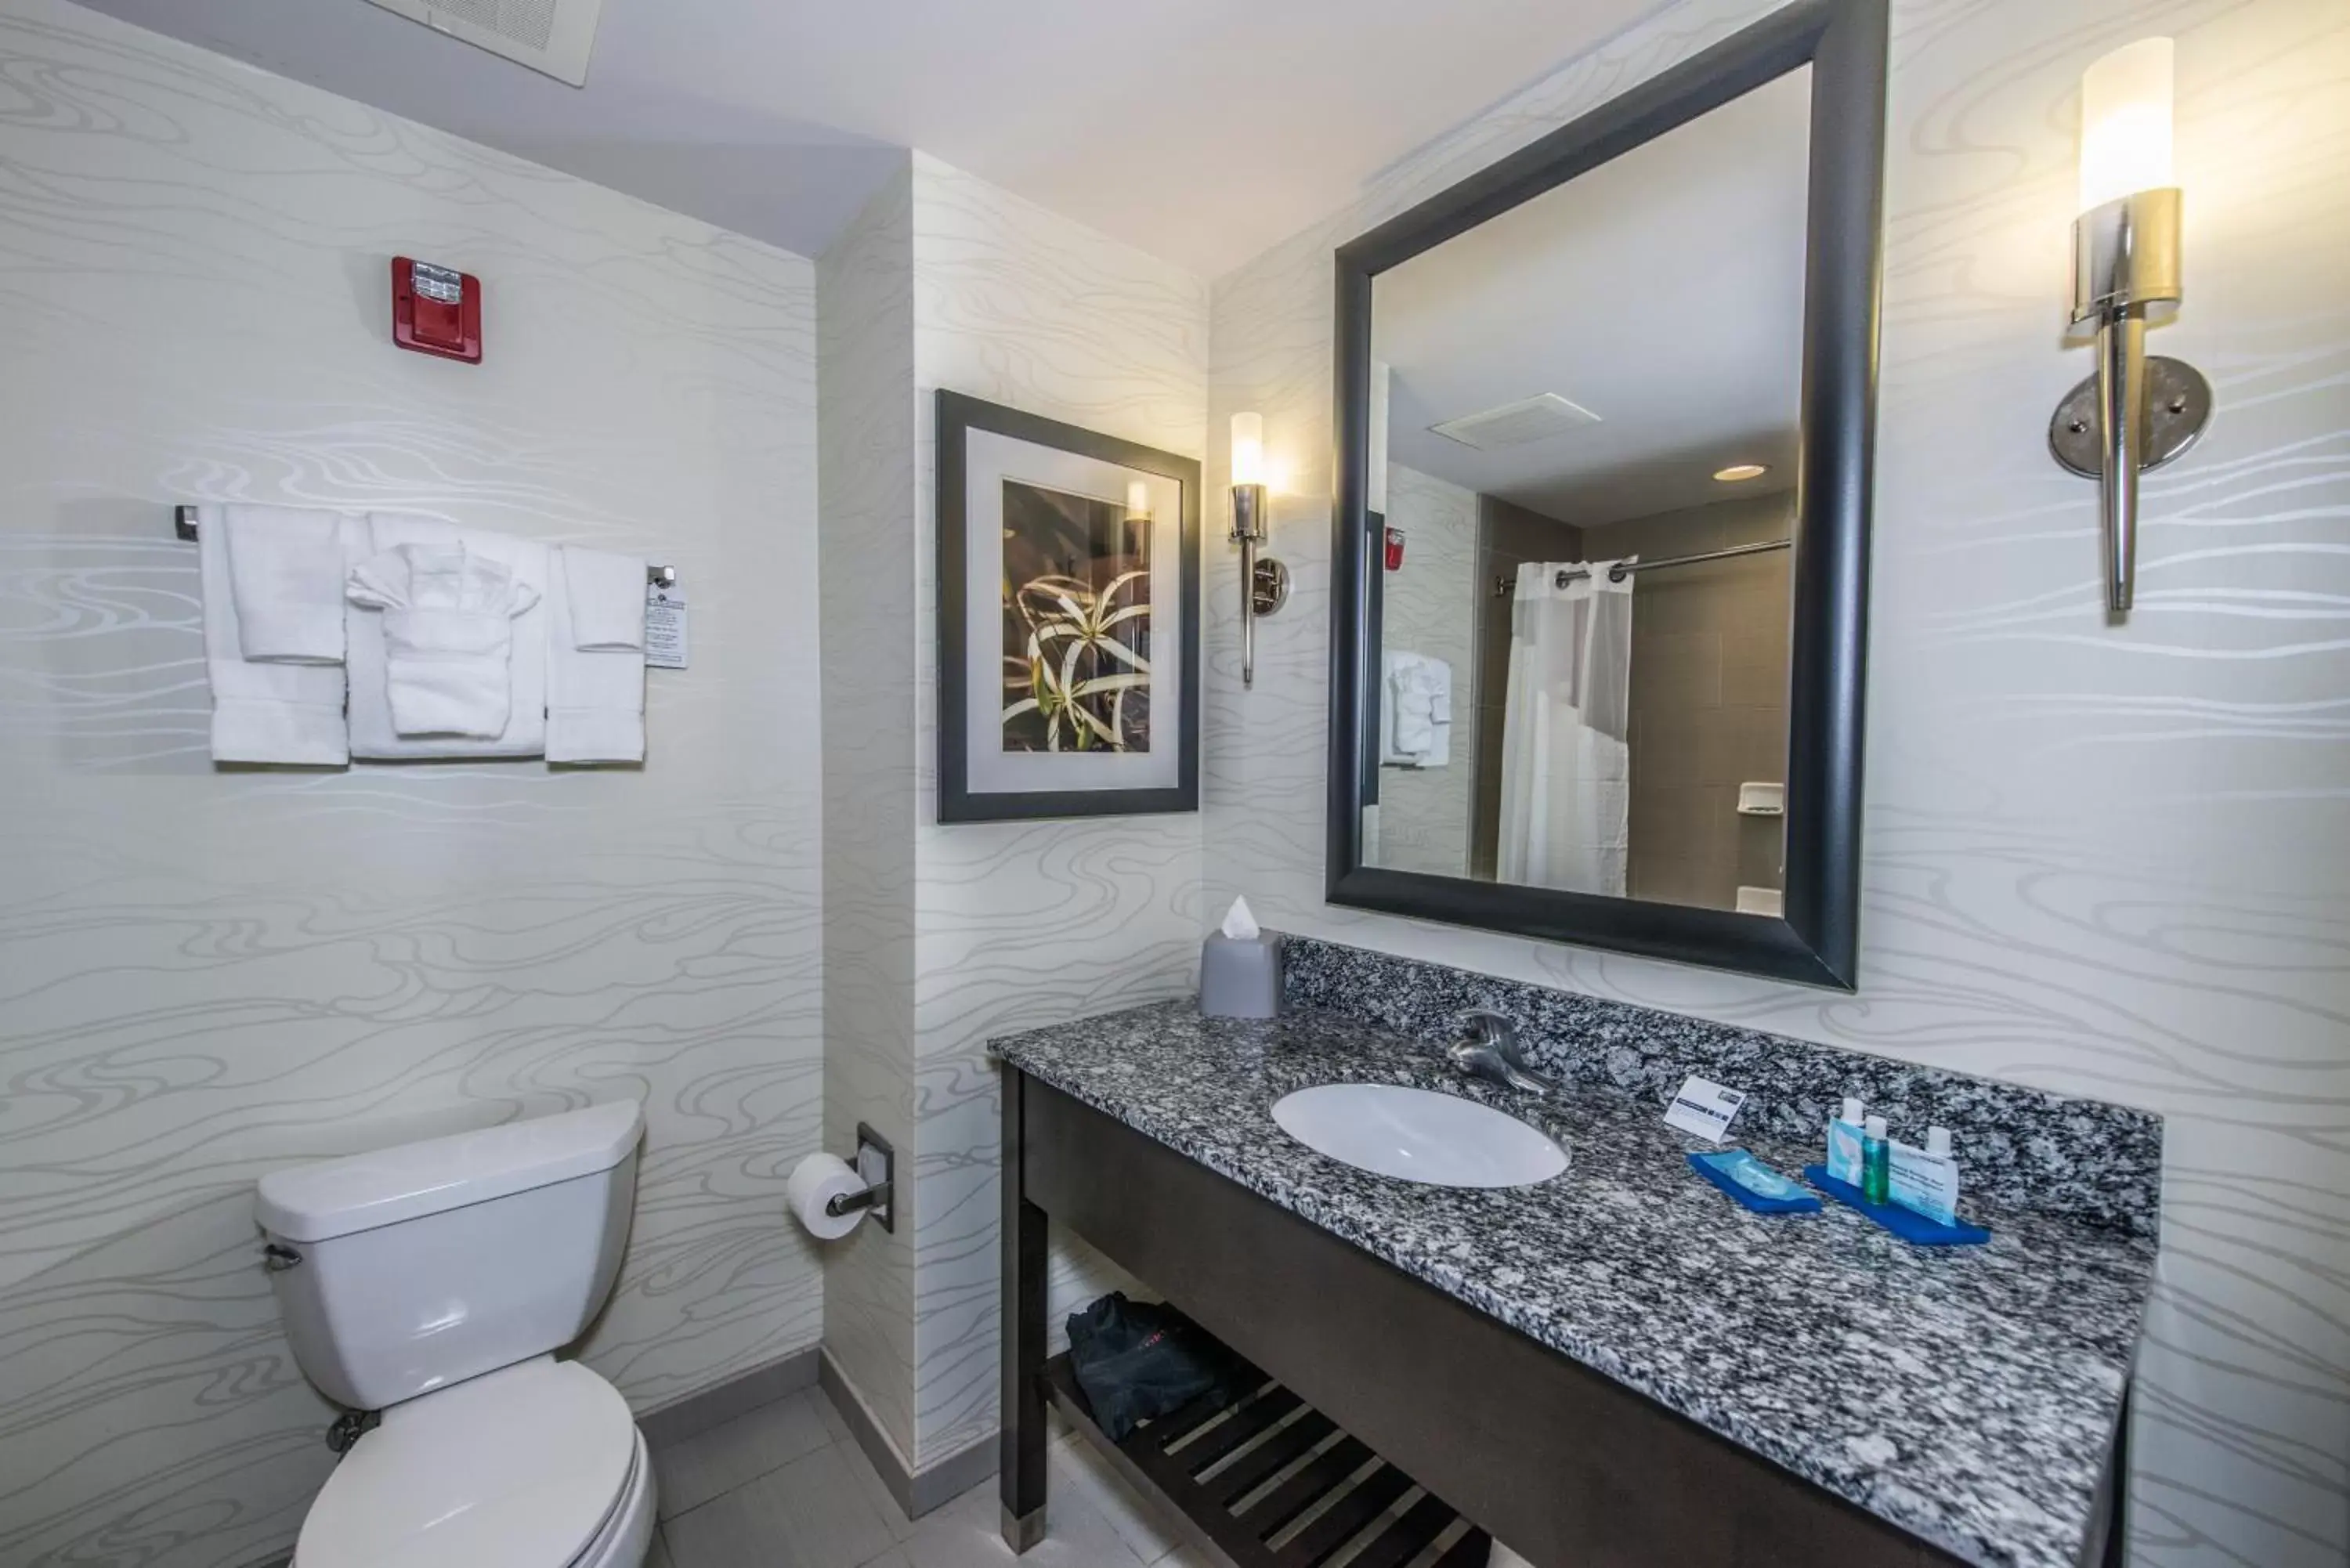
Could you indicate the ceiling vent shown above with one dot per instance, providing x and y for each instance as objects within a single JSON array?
[
  {"x": 1514, "y": 424},
  {"x": 550, "y": 35}
]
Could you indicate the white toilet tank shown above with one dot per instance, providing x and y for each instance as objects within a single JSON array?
[{"x": 406, "y": 1269}]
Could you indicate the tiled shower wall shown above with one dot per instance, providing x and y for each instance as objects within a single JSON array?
[
  {"x": 1709, "y": 699},
  {"x": 2103, "y": 859},
  {"x": 205, "y": 974}
]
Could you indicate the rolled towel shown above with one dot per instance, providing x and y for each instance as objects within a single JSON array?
[
  {"x": 448, "y": 635},
  {"x": 373, "y": 734},
  {"x": 286, "y": 572}
]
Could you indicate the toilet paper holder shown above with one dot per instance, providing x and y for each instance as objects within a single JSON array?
[{"x": 876, "y": 1165}]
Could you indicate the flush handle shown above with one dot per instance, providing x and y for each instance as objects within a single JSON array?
[{"x": 277, "y": 1259}]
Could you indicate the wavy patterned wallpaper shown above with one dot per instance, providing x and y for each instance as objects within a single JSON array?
[
  {"x": 2107, "y": 860},
  {"x": 940, "y": 937},
  {"x": 1426, "y": 815},
  {"x": 204, "y": 974},
  {"x": 865, "y": 423},
  {"x": 1025, "y": 923}
]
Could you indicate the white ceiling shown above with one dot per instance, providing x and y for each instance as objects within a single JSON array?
[
  {"x": 1662, "y": 291},
  {"x": 1202, "y": 130}
]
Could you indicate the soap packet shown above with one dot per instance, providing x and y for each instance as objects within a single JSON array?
[{"x": 1752, "y": 1183}]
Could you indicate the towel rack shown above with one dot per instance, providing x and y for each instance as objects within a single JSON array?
[{"x": 184, "y": 522}]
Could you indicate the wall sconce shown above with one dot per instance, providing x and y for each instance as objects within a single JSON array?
[
  {"x": 1265, "y": 582},
  {"x": 2135, "y": 413}
]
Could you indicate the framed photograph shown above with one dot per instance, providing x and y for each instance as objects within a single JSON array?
[{"x": 1068, "y": 620}]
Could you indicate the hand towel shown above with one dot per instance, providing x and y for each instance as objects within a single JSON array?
[
  {"x": 1415, "y": 711},
  {"x": 596, "y": 663},
  {"x": 1435, "y": 682},
  {"x": 261, "y": 712},
  {"x": 448, "y": 635},
  {"x": 373, "y": 734},
  {"x": 286, "y": 572},
  {"x": 607, "y": 599},
  {"x": 1393, "y": 753}
]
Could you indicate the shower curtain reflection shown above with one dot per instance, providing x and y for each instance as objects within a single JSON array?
[{"x": 1566, "y": 752}]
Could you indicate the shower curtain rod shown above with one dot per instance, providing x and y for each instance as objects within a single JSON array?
[{"x": 1505, "y": 584}]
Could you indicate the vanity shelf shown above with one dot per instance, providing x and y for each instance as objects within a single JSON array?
[{"x": 1344, "y": 1489}]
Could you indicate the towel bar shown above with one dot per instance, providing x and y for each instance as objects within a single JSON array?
[{"x": 184, "y": 522}]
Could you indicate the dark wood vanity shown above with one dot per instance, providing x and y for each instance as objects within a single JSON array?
[{"x": 1563, "y": 1463}]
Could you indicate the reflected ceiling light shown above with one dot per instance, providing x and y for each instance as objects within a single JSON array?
[{"x": 1737, "y": 472}]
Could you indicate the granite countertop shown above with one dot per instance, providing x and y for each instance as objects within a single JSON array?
[{"x": 1968, "y": 1394}]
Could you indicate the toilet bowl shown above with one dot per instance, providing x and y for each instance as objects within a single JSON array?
[
  {"x": 431, "y": 1282},
  {"x": 537, "y": 1464}
]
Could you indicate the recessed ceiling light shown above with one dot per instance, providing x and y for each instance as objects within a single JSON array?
[{"x": 1741, "y": 471}]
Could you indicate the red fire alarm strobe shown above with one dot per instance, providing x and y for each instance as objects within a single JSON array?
[{"x": 436, "y": 310}]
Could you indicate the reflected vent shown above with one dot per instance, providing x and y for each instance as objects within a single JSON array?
[
  {"x": 550, "y": 35},
  {"x": 1516, "y": 424}
]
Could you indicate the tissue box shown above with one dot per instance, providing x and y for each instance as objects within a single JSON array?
[{"x": 1240, "y": 976}]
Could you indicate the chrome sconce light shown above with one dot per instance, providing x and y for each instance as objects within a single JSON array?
[
  {"x": 1265, "y": 582},
  {"x": 2136, "y": 412}
]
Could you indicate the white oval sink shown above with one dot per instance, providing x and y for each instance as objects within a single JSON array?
[{"x": 1418, "y": 1135}]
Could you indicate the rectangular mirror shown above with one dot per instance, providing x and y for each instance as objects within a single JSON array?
[{"x": 1604, "y": 428}]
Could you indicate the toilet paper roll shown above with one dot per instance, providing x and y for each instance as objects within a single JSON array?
[{"x": 817, "y": 1181}]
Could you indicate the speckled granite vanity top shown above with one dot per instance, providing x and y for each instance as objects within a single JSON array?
[{"x": 1968, "y": 1394}]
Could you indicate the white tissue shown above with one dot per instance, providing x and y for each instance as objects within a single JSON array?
[{"x": 1239, "y": 924}]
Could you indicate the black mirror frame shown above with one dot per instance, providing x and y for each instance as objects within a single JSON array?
[{"x": 1817, "y": 941}]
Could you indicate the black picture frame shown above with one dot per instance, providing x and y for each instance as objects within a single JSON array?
[
  {"x": 1816, "y": 940},
  {"x": 958, "y": 415}
]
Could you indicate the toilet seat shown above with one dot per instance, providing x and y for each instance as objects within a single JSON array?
[{"x": 525, "y": 1467}]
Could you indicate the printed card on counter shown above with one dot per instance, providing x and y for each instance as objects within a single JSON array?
[
  {"x": 666, "y": 643},
  {"x": 1704, "y": 1108}
]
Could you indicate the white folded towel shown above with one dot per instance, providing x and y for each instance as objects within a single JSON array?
[
  {"x": 607, "y": 599},
  {"x": 448, "y": 635},
  {"x": 1434, "y": 687},
  {"x": 261, "y": 712},
  {"x": 285, "y": 569},
  {"x": 1415, "y": 711},
  {"x": 374, "y": 733},
  {"x": 596, "y": 663}
]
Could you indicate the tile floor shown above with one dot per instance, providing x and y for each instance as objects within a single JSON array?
[{"x": 787, "y": 1487}]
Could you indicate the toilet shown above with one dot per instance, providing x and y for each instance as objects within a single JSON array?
[{"x": 433, "y": 1283}]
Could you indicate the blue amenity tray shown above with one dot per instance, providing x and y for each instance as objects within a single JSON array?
[
  {"x": 1802, "y": 1203},
  {"x": 1903, "y": 1222}
]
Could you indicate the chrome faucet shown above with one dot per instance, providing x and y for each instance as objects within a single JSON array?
[{"x": 1491, "y": 1053}]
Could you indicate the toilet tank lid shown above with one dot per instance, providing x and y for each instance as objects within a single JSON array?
[{"x": 337, "y": 1196}]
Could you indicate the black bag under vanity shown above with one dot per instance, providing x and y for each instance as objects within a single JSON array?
[{"x": 1139, "y": 1360}]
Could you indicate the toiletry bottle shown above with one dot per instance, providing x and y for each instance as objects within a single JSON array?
[
  {"x": 1926, "y": 1180},
  {"x": 1875, "y": 1173},
  {"x": 1844, "y": 1144}
]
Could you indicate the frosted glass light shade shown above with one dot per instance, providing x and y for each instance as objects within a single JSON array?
[
  {"x": 2126, "y": 104},
  {"x": 1248, "y": 449}
]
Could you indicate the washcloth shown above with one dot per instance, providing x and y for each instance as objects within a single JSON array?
[
  {"x": 373, "y": 734},
  {"x": 448, "y": 635},
  {"x": 596, "y": 661},
  {"x": 286, "y": 571},
  {"x": 261, "y": 712}
]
